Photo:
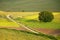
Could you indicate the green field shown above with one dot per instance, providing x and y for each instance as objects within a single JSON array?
[
  {"x": 26, "y": 12},
  {"x": 32, "y": 21},
  {"x": 37, "y": 24}
]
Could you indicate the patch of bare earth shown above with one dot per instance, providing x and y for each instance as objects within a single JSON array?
[{"x": 49, "y": 31}]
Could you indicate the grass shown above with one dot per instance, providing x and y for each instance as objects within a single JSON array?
[
  {"x": 6, "y": 23},
  {"x": 30, "y": 19},
  {"x": 37, "y": 24},
  {"x": 12, "y": 34},
  {"x": 33, "y": 23},
  {"x": 58, "y": 37}
]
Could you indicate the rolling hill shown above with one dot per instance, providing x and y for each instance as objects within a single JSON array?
[{"x": 29, "y": 5}]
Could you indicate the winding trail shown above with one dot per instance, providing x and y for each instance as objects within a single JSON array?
[{"x": 9, "y": 17}]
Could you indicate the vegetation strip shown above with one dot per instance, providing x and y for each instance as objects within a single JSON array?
[{"x": 40, "y": 34}]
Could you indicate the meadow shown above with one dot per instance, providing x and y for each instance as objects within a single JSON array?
[
  {"x": 29, "y": 19},
  {"x": 26, "y": 12}
]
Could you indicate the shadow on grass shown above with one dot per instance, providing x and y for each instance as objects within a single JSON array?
[
  {"x": 31, "y": 20},
  {"x": 40, "y": 34}
]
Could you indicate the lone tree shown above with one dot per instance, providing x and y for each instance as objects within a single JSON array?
[{"x": 46, "y": 16}]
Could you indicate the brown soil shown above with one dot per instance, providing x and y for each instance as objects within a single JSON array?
[{"x": 49, "y": 31}]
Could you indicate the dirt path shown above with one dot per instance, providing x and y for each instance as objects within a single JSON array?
[
  {"x": 42, "y": 30},
  {"x": 22, "y": 25}
]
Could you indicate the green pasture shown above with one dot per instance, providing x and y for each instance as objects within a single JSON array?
[{"x": 37, "y": 24}]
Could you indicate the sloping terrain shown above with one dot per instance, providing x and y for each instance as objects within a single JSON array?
[
  {"x": 29, "y": 19},
  {"x": 12, "y": 34},
  {"x": 29, "y": 5}
]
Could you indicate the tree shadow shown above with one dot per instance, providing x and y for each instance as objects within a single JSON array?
[{"x": 32, "y": 21}]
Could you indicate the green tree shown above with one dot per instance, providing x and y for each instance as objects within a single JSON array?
[{"x": 46, "y": 16}]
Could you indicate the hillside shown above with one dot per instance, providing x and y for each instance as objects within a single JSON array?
[
  {"x": 12, "y": 34},
  {"x": 29, "y": 5}
]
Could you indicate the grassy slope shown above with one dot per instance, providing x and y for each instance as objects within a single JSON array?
[
  {"x": 5, "y": 22},
  {"x": 9, "y": 34},
  {"x": 28, "y": 20},
  {"x": 29, "y": 5}
]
